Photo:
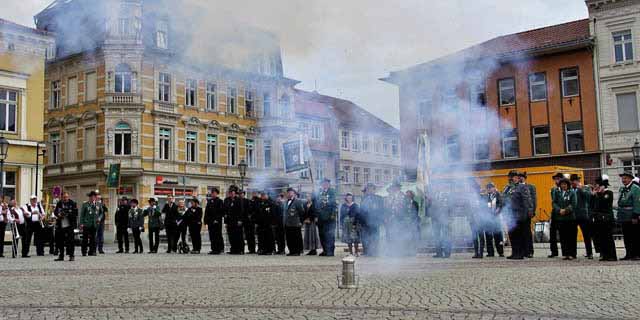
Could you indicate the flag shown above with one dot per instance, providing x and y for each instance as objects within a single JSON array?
[
  {"x": 294, "y": 156},
  {"x": 113, "y": 179}
]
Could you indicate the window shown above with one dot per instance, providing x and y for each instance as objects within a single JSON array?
[
  {"x": 541, "y": 141},
  {"x": 9, "y": 184},
  {"x": 377, "y": 146},
  {"x": 123, "y": 79},
  {"x": 248, "y": 102},
  {"x": 630, "y": 165},
  {"x": 164, "y": 87},
  {"x": 575, "y": 137},
  {"x": 212, "y": 148},
  {"x": 232, "y": 151},
  {"x": 122, "y": 140},
  {"x": 627, "y": 111},
  {"x": 356, "y": 175},
  {"x": 507, "y": 91},
  {"x": 55, "y": 94},
  {"x": 72, "y": 91},
  {"x": 266, "y": 104},
  {"x": 365, "y": 143},
  {"x": 570, "y": 85},
  {"x": 124, "y": 26},
  {"x": 344, "y": 141},
  {"x": 54, "y": 139},
  {"x": 395, "y": 149},
  {"x": 355, "y": 142},
  {"x": 453, "y": 148},
  {"x": 317, "y": 132},
  {"x": 477, "y": 94},
  {"x": 165, "y": 143},
  {"x": 8, "y": 107},
  {"x": 320, "y": 165},
  {"x": 267, "y": 153},
  {"x": 162, "y": 35},
  {"x": 90, "y": 86},
  {"x": 424, "y": 109},
  {"x": 346, "y": 177},
  {"x": 366, "y": 175},
  {"x": 385, "y": 147},
  {"x": 378, "y": 176},
  {"x": 251, "y": 152},
  {"x": 212, "y": 98},
  {"x": 71, "y": 144},
  {"x": 191, "y": 146},
  {"x": 89, "y": 147},
  {"x": 538, "y": 86},
  {"x": 450, "y": 100},
  {"x": 481, "y": 148},
  {"x": 190, "y": 93},
  {"x": 387, "y": 175},
  {"x": 623, "y": 46},
  {"x": 232, "y": 96},
  {"x": 510, "y": 147}
]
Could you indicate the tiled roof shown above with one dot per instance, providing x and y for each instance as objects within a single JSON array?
[{"x": 8, "y": 24}]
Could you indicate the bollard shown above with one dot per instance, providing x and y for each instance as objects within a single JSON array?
[{"x": 348, "y": 280}]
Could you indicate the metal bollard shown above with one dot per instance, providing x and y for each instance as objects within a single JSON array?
[{"x": 349, "y": 278}]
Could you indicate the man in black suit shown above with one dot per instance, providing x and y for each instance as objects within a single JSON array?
[
  {"x": 170, "y": 212},
  {"x": 294, "y": 212},
  {"x": 233, "y": 220},
  {"x": 213, "y": 215},
  {"x": 66, "y": 214}
]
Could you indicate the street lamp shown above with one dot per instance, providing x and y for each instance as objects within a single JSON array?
[
  {"x": 4, "y": 150},
  {"x": 242, "y": 168},
  {"x": 635, "y": 150}
]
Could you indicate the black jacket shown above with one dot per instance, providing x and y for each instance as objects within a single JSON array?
[
  {"x": 233, "y": 211},
  {"x": 122, "y": 216},
  {"x": 214, "y": 212},
  {"x": 194, "y": 216},
  {"x": 68, "y": 209},
  {"x": 170, "y": 214},
  {"x": 265, "y": 213}
]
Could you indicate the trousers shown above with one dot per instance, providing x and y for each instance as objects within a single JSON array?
[
  {"x": 65, "y": 241},
  {"x": 88, "y": 240},
  {"x": 327, "y": 230},
  {"x": 568, "y": 238},
  {"x": 172, "y": 237},
  {"x": 196, "y": 237},
  {"x": 294, "y": 240},
  {"x": 123, "y": 238},
  {"x": 154, "y": 239},
  {"x": 215, "y": 237}
]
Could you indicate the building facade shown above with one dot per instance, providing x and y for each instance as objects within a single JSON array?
[
  {"x": 516, "y": 101},
  {"x": 128, "y": 92},
  {"x": 23, "y": 52}
]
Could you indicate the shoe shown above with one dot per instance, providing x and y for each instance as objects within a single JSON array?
[
  {"x": 590, "y": 257},
  {"x": 530, "y": 256},
  {"x": 101, "y": 252},
  {"x": 501, "y": 255},
  {"x": 625, "y": 258},
  {"x": 566, "y": 258},
  {"x": 312, "y": 253},
  {"x": 71, "y": 258},
  {"x": 84, "y": 254},
  {"x": 609, "y": 259},
  {"x": 251, "y": 252},
  {"x": 635, "y": 258},
  {"x": 94, "y": 254},
  {"x": 264, "y": 253},
  {"x": 323, "y": 254},
  {"x": 476, "y": 257},
  {"x": 552, "y": 256},
  {"x": 293, "y": 254},
  {"x": 119, "y": 251},
  {"x": 59, "y": 259},
  {"x": 515, "y": 258},
  {"x": 490, "y": 256},
  {"x": 437, "y": 256},
  {"x": 195, "y": 252}
]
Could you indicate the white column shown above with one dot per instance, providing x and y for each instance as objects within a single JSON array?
[
  {"x": 25, "y": 184},
  {"x": 23, "y": 114}
]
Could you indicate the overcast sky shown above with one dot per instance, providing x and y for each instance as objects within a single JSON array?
[{"x": 342, "y": 47}]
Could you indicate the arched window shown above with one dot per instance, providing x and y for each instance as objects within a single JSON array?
[
  {"x": 122, "y": 140},
  {"x": 123, "y": 78}
]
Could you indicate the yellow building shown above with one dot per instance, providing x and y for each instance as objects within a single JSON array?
[{"x": 23, "y": 52}]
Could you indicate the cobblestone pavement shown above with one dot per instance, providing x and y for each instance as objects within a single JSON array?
[{"x": 255, "y": 287}]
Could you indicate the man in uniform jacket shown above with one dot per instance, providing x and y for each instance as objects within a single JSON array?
[
  {"x": 213, "y": 215},
  {"x": 371, "y": 216},
  {"x": 170, "y": 212},
  {"x": 34, "y": 214},
  {"x": 564, "y": 206},
  {"x": 533, "y": 195},
  {"x": 136, "y": 223},
  {"x": 248, "y": 225},
  {"x": 326, "y": 206},
  {"x": 603, "y": 219},
  {"x": 278, "y": 224},
  {"x": 628, "y": 215},
  {"x": 100, "y": 227},
  {"x": 66, "y": 213},
  {"x": 553, "y": 226},
  {"x": 294, "y": 212},
  {"x": 519, "y": 204},
  {"x": 264, "y": 216},
  {"x": 155, "y": 224},
  {"x": 122, "y": 224},
  {"x": 195, "y": 225},
  {"x": 583, "y": 198},
  {"x": 493, "y": 233},
  {"x": 90, "y": 214},
  {"x": 233, "y": 219}
]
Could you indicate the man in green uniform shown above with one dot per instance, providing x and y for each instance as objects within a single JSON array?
[
  {"x": 325, "y": 202},
  {"x": 90, "y": 214},
  {"x": 583, "y": 196},
  {"x": 534, "y": 206},
  {"x": 628, "y": 214},
  {"x": 553, "y": 226}
]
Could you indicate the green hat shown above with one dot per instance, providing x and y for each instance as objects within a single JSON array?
[{"x": 627, "y": 174}]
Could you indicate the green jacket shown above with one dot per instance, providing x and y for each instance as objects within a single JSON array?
[
  {"x": 583, "y": 198},
  {"x": 90, "y": 214},
  {"x": 564, "y": 200},
  {"x": 155, "y": 217},
  {"x": 136, "y": 218},
  {"x": 629, "y": 203},
  {"x": 325, "y": 205}
]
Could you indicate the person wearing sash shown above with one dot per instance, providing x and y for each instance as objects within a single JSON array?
[
  {"x": 90, "y": 215},
  {"x": 35, "y": 216}
]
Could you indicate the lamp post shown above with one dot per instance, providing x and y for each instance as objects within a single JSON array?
[
  {"x": 38, "y": 155},
  {"x": 4, "y": 149},
  {"x": 242, "y": 168},
  {"x": 635, "y": 150}
]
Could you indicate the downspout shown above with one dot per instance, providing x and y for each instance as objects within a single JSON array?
[{"x": 596, "y": 76}]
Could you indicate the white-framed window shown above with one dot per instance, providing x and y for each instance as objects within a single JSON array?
[
  {"x": 232, "y": 99},
  {"x": 89, "y": 147},
  {"x": 320, "y": 165},
  {"x": 72, "y": 91},
  {"x": 631, "y": 165},
  {"x": 450, "y": 100},
  {"x": 356, "y": 175},
  {"x": 8, "y": 110},
  {"x": 54, "y": 154},
  {"x": 477, "y": 93},
  {"x": 623, "y": 46},
  {"x": 453, "y": 148},
  {"x": 344, "y": 139},
  {"x": 574, "y": 137},
  {"x": 267, "y": 154},
  {"x": 192, "y": 146},
  {"x": 541, "y": 141},
  {"x": 377, "y": 146},
  {"x": 124, "y": 26},
  {"x": 425, "y": 107},
  {"x": 627, "y": 111},
  {"x": 378, "y": 176},
  {"x": 71, "y": 146},
  {"x": 510, "y": 146},
  {"x": 212, "y": 148},
  {"x": 366, "y": 143},
  {"x": 191, "y": 93},
  {"x": 346, "y": 177},
  {"x": 162, "y": 35},
  {"x": 355, "y": 142},
  {"x": 266, "y": 104},
  {"x": 507, "y": 91},
  {"x": 395, "y": 148},
  {"x": 317, "y": 132},
  {"x": 385, "y": 147},
  {"x": 387, "y": 175},
  {"x": 538, "y": 86},
  {"x": 570, "y": 82},
  {"x": 122, "y": 139},
  {"x": 123, "y": 79},
  {"x": 248, "y": 103},
  {"x": 212, "y": 96},
  {"x": 55, "y": 94},
  {"x": 232, "y": 151},
  {"x": 90, "y": 86},
  {"x": 481, "y": 148},
  {"x": 366, "y": 175},
  {"x": 165, "y": 143},
  {"x": 9, "y": 184},
  {"x": 164, "y": 87},
  {"x": 250, "y": 145}
]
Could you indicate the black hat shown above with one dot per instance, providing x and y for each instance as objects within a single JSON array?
[
  {"x": 124, "y": 198},
  {"x": 291, "y": 189},
  {"x": 627, "y": 174},
  {"x": 574, "y": 177},
  {"x": 602, "y": 181},
  {"x": 194, "y": 199},
  {"x": 565, "y": 180},
  {"x": 326, "y": 180},
  {"x": 491, "y": 185},
  {"x": 216, "y": 190},
  {"x": 558, "y": 175},
  {"x": 153, "y": 199},
  {"x": 233, "y": 189},
  {"x": 513, "y": 173},
  {"x": 522, "y": 174},
  {"x": 134, "y": 201},
  {"x": 92, "y": 193}
]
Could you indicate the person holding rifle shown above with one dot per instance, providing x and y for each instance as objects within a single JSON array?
[{"x": 66, "y": 213}]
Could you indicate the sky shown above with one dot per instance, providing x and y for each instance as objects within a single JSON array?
[{"x": 341, "y": 48}]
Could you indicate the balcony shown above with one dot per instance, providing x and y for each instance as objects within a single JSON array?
[
  {"x": 164, "y": 107},
  {"x": 124, "y": 99}
]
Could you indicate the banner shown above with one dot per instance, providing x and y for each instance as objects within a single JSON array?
[
  {"x": 113, "y": 179},
  {"x": 294, "y": 156}
]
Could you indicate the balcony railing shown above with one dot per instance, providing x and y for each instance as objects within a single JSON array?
[
  {"x": 123, "y": 98},
  {"x": 165, "y": 106}
]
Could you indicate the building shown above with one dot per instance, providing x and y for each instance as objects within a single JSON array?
[
  {"x": 23, "y": 52},
  {"x": 516, "y": 101},
  {"x": 615, "y": 26},
  {"x": 363, "y": 148},
  {"x": 137, "y": 91}
]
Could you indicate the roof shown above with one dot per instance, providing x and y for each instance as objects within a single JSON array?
[
  {"x": 549, "y": 39},
  {"x": 8, "y": 24}
]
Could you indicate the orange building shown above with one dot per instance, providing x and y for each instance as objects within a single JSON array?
[{"x": 516, "y": 101}]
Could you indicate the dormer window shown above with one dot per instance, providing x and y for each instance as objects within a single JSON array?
[{"x": 162, "y": 35}]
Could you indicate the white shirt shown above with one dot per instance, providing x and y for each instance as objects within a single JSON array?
[
  {"x": 18, "y": 211},
  {"x": 34, "y": 215}
]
